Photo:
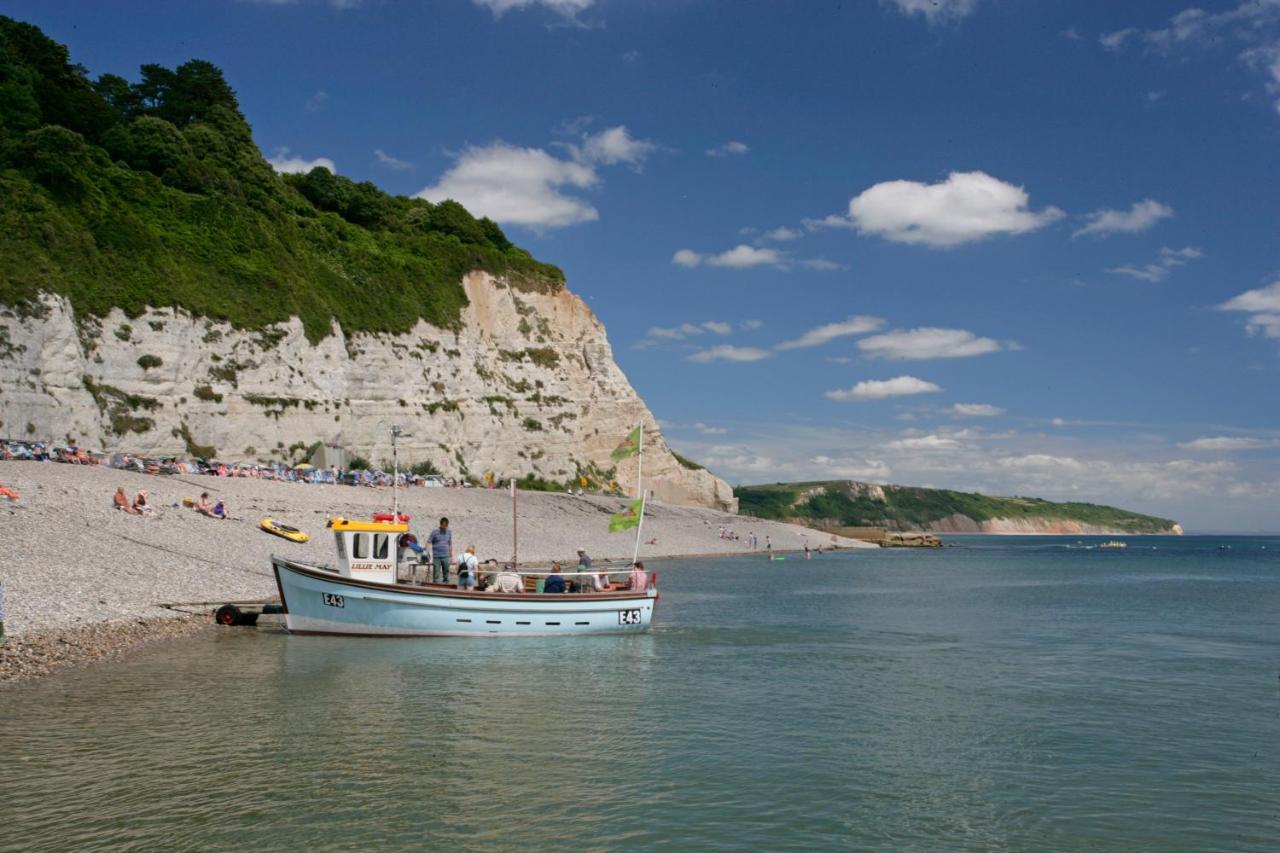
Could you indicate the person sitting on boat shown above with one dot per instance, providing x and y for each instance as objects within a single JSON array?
[
  {"x": 554, "y": 582},
  {"x": 140, "y": 505},
  {"x": 121, "y": 501},
  {"x": 639, "y": 578},
  {"x": 584, "y": 560},
  {"x": 409, "y": 551},
  {"x": 600, "y": 581},
  {"x": 507, "y": 581},
  {"x": 467, "y": 568}
]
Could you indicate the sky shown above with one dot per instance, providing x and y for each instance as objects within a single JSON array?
[{"x": 1021, "y": 247}]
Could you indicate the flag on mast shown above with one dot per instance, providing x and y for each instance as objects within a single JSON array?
[
  {"x": 630, "y": 447},
  {"x": 627, "y": 518}
]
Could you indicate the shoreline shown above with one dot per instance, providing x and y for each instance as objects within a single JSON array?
[{"x": 75, "y": 564}]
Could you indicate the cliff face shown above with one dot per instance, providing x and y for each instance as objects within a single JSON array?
[
  {"x": 524, "y": 384},
  {"x": 849, "y": 504},
  {"x": 1031, "y": 526}
]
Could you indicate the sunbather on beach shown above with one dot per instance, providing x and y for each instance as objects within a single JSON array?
[
  {"x": 9, "y": 493},
  {"x": 121, "y": 501},
  {"x": 205, "y": 508},
  {"x": 140, "y": 505}
]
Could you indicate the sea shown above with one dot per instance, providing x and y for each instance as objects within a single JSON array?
[{"x": 1000, "y": 693}]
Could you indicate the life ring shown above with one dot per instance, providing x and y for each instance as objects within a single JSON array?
[{"x": 389, "y": 518}]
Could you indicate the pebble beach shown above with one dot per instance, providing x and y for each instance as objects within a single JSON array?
[{"x": 76, "y": 570}]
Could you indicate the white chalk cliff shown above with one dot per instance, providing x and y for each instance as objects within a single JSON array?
[{"x": 526, "y": 384}]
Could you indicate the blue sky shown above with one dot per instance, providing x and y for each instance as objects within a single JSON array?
[{"x": 1019, "y": 247}]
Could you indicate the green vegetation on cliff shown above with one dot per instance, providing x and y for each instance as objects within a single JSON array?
[
  {"x": 851, "y": 504},
  {"x": 119, "y": 194}
]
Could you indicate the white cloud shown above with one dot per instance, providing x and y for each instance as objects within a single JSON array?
[
  {"x": 923, "y": 443},
  {"x": 728, "y": 148},
  {"x": 1263, "y": 306},
  {"x": 1223, "y": 442},
  {"x": 782, "y": 234},
  {"x": 927, "y": 342},
  {"x": 821, "y": 265},
  {"x": 1253, "y": 24},
  {"x": 317, "y": 102},
  {"x": 612, "y": 146},
  {"x": 855, "y": 325},
  {"x": 937, "y": 11},
  {"x": 870, "y": 470},
  {"x": 1159, "y": 270},
  {"x": 1041, "y": 462},
  {"x": 967, "y": 206},
  {"x": 517, "y": 186},
  {"x": 1143, "y": 215},
  {"x": 976, "y": 410},
  {"x": 708, "y": 429},
  {"x": 880, "y": 389},
  {"x": 686, "y": 258},
  {"x": 729, "y": 353},
  {"x": 565, "y": 8},
  {"x": 391, "y": 162},
  {"x": 689, "y": 330},
  {"x": 286, "y": 162},
  {"x": 739, "y": 257},
  {"x": 751, "y": 325},
  {"x": 1117, "y": 39}
]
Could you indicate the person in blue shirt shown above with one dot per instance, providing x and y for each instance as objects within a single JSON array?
[
  {"x": 553, "y": 583},
  {"x": 441, "y": 540}
]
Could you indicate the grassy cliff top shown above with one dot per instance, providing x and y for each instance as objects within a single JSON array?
[
  {"x": 119, "y": 194},
  {"x": 851, "y": 504}
]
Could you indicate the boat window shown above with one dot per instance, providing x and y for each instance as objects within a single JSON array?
[
  {"x": 360, "y": 546},
  {"x": 380, "y": 546}
]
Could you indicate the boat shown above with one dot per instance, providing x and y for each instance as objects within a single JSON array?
[
  {"x": 362, "y": 594},
  {"x": 284, "y": 531},
  {"x": 1114, "y": 545}
]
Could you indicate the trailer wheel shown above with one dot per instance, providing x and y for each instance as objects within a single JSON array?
[{"x": 227, "y": 614}]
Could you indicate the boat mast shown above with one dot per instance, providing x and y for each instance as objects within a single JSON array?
[
  {"x": 395, "y": 481},
  {"x": 635, "y": 555},
  {"x": 515, "y": 531}
]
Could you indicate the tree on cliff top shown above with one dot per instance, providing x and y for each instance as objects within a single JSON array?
[{"x": 153, "y": 193}]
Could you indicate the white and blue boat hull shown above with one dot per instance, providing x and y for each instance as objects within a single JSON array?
[{"x": 317, "y": 601}]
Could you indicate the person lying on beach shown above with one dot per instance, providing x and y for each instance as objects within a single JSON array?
[
  {"x": 140, "y": 505},
  {"x": 554, "y": 582},
  {"x": 9, "y": 493},
  {"x": 121, "y": 501}
]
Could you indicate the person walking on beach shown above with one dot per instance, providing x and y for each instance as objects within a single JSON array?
[{"x": 441, "y": 540}]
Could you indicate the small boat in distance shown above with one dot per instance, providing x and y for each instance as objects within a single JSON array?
[{"x": 1114, "y": 545}]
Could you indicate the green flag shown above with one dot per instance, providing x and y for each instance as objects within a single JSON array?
[
  {"x": 628, "y": 448},
  {"x": 628, "y": 518}
]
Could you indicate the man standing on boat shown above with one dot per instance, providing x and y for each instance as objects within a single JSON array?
[{"x": 441, "y": 540}]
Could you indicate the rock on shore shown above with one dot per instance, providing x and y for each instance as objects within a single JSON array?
[{"x": 71, "y": 560}]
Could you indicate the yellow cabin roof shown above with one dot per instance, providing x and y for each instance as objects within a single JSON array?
[{"x": 368, "y": 526}]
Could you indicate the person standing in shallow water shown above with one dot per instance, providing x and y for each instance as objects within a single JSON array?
[{"x": 441, "y": 540}]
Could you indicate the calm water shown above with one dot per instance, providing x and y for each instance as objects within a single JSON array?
[{"x": 1004, "y": 694}]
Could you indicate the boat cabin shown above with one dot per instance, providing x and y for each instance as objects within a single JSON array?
[{"x": 367, "y": 549}]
